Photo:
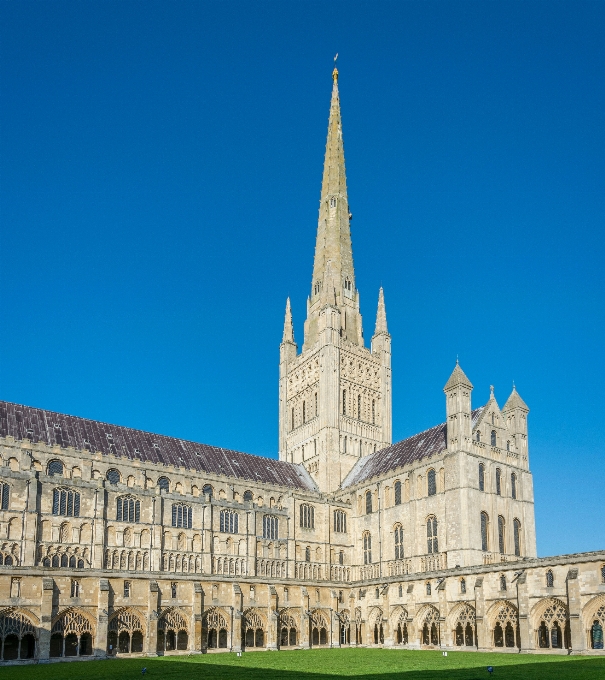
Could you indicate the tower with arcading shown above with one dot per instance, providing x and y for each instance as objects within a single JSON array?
[{"x": 335, "y": 395}]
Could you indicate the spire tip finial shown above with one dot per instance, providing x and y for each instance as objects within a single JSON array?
[{"x": 335, "y": 71}]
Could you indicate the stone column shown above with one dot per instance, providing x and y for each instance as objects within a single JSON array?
[
  {"x": 195, "y": 640},
  {"x": 271, "y": 642},
  {"x": 46, "y": 608},
  {"x": 483, "y": 634},
  {"x": 445, "y": 635},
  {"x": 102, "y": 619},
  {"x": 527, "y": 640},
  {"x": 578, "y": 642},
  {"x": 153, "y": 607}
]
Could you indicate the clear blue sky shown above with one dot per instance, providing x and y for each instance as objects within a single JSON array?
[{"x": 160, "y": 176}]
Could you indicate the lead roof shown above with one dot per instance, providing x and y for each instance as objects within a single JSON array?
[
  {"x": 50, "y": 428},
  {"x": 420, "y": 446}
]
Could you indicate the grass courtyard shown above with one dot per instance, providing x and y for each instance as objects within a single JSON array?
[{"x": 324, "y": 664}]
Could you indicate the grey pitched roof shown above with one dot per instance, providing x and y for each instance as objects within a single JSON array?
[
  {"x": 515, "y": 401},
  {"x": 48, "y": 427},
  {"x": 422, "y": 445}
]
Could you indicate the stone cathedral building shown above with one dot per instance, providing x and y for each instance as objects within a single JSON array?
[{"x": 115, "y": 541}]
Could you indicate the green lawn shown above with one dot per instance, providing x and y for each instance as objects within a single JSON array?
[{"x": 322, "y": 664}]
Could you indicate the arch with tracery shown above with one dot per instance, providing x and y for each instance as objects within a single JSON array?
[
  {"x": 319, "y": 626},
  {"x": 288, "y": 628},
  {"x": 594, "y": 621},
  {"x": 71, "y": 634},
  {"x": 428, "y": 617},
  {"x": 551, "y": 624},
  {"x": 254, "y": 628},
  {"x": 375, "y": 620},
  {"x": 17, "y": 635},
  {"x": 504, "y": 619},
  {"x": 173, "y": 631},
  {"x": 214, "y": 629},
  {"x": 126, "y": 632},
  {"x": 462, "y": 624},
  {"x": 344, "y": 627},
  {"x": 399, "y": 621}
]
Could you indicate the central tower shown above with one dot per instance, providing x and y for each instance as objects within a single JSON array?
[{"x": 335, "y": 396}]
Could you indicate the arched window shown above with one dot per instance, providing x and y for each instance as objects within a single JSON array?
[
  {"x": 344, "y": 402},
  {"x": 368, "y": 502},
  {"x": 508, "y": 445},
  {"x": 481, "y": 477},
  {"x": 359, "y": 407},
  {"x": 431, "y": 535},
  {"x": 462, "y": 586},
  {"x": 502, "y": 582},
  {"x": 207, "y": 490},
  {"x": 400, "y": 590},
  {"x": 373, "y": 412},
  {"x": 517, "y": 537},
  {"x": 66, "y": 502},
  {"x": 340, "y": 521},
  {"x": 367, "y": 548},
  {"x": 398, "y": 542},
  {"x": 128, "y": 509},
  {"x": 181, "y": 516},
  {"x": 341, "y": 557},
  {"x": 4, "y": 496},
  {"x": 603, "y": 574},
  {"x": 55, "y": 467},
  {"x": 292, "y": 418},
  {"x": 307, "y": 554},
  {"x": 428, "y": 587},
  {"x": 478, "y": 436},
  {"x": 397, "y": 492},
  {"x": 498, "y": 482},
  {"x": 513, "y": 485},
  {"x": 307, "y": 516},
  {"x": 333, "y": 202},
  {"x": 501, "y": 535},
  {"x": 248, "y": 496},
  {"x": 431, "y": 481},
  {"x": 493, "y": 438},
  {"x": 164, "y": 484},
  {"x": 229, "y": 522},
  {"x": 550, "y": 579},
  {"x": 304, "y": 409},
  {"x": 316, "y": 406},
  {"x": 344, "y": 450},
  {"x": 484, "y": 532},
  {"x": 113, "y": 476},
  {"x": 270, "y": 527}
]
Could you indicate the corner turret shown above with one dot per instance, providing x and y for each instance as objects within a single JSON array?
[{"x": 458, "y": 410}]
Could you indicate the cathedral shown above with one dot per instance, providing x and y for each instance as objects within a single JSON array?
[{"x": 119, "y": 542}]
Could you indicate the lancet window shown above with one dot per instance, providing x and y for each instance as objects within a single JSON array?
[
  {"x": 513, "y": 485},
  {"x": 270, "y": 526},
  {"x": 398, "y": 542},
  {"x": 481, "y": 476},
  {"x": 501, "y": 535},
  {"x": 367, "y": 548},
  {"x": 484, "y": 531},
  {"x": 431, "y": 479},
  {"x": 431, "y": 535},
  {"x": 368, "y": 502},
  {"x": 340, "y": 521},
  {"x": 397, "y": 492},
  {"x": 4, "y": 496},
  {"x": 517, "y": 537}
]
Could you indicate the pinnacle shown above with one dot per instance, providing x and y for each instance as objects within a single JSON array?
[
  {"x": 515, "y": 401},
  {"x": 381, "y": 315},
  {"x": 458, "y": 377},
  {"x": 288, "y": 335}
]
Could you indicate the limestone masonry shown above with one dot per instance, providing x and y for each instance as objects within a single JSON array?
[{"x": 120, "y": 542}]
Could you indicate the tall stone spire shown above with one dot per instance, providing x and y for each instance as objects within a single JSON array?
[
  {"x": 333, "y": 231},
  {"x": 333, "y": 252}
]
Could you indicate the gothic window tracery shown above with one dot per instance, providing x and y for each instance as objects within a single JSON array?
[
  {"x": 554, "y": 630},
  {"x": 71, "y": 635},
  {"x": 229, "y": 522},
  {"x": 214, "y": 629},
  {"x": 464, "y": 626},
  {"x": 484, "y": 532},
  {"x": 128, "y": 509},
  {"x": 431, "y": 535},
  {"x": 66, "y": 502},
  {"x": 253, "y": 629},
  {"x": 17, "y": 636},
  {"x": 307, "y": 516},
  {"x": 270, "y": 527},
  {"x": 181, "y": 516},
  {"x": 367, "y": 548},
  {"x": 173, "y": 631},
  {"x": 340, "y": 521},
  {"x": 398, "y": 542},
  {"x": 125, "y": 632},
  {"x": 506, "y": 626}
]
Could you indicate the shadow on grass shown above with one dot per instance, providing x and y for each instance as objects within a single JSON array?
[{"x": 360, "y": 664}]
